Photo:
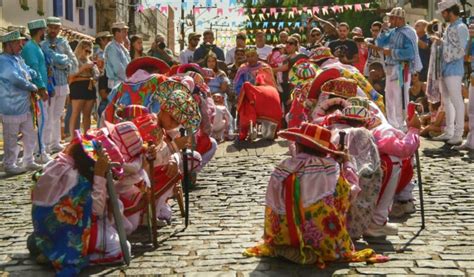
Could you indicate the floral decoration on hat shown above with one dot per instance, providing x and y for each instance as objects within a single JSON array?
[
  {"x": 302, "y": 72},
  {"x": 340, "y": 87}
]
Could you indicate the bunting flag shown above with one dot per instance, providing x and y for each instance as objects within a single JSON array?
[{"x": 220, "y": 11}]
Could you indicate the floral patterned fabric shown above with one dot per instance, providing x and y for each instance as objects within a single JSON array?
[
  {"x": 62, "y": 231},
  {"x": 310, "y": 234}
]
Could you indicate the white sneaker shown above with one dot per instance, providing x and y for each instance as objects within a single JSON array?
[
  {"x": 375, "y": 230},
  {"x": 33, "y": 167},
  {"x": 56, "y": 148},
  {"x": 455, "y": 141},
  {"x": 462, "y": 147},
  {"x": 43, "y": 159},
  {"x": 443, "y": 137},
  {"x": 14, "y": 170}
]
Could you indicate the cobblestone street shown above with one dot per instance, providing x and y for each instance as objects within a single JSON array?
[{"x": 227, "y": 216}]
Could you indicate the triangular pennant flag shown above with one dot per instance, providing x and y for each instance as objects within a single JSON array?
[
  {"x": 310, "y": 12},
  {"x": 164, "y": 9},
  {"x": 231, "y": 10},
  {"x": 276, "y": 15},
  {"x": 274, "y": 23},
  {"x": 265, "y": 24},
  {"x": 291, "y": 15},
  {"x": 324, "y": 10},
  {"x": 367, "y": 5},
  {"x": 253, "y": 10},
  {"x": 252, "y": 16},
  {"x": 297, "y": 24},
  {"x": 220, "y": 12},
  {"x": 315, "y": 10},
  {"x": 257, "y": 23},
  {"x": 272, "y": 11},
  {"x": 261, "y": 16},
  {"x": 283, "y": 10},
  {"x": 197, "y": 11},
  {"x": 348, "y": 7},
  {"x": 358, "y": 7},
  {"x": 280, "y": 25},
  {"x": 289, "y": 23},
  {"x": 305, "y": 9},
  {"x": 294, "y": 9},
  {"x": 241, "y": 11},
  {"x": 264, "y": 10}
]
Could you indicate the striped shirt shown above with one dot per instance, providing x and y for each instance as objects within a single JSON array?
[{"x": 64, "y": 61}]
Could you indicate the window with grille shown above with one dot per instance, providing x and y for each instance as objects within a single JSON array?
[
  {"x": 58, "y": 8},
  {"x": 70, "y": 10},
  {"x": 82, "y": 17},
  {"x": 91, "y": 17}
]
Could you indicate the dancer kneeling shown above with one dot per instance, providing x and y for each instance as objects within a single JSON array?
[
  {"x": 72, "y": 227},
  {"x": 307, "y": 200}
]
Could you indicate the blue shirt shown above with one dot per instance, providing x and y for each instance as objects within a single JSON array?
[
  {"x": 472, "y": 58},
  {"x": 455, "y": 67},
  {"x": 15, "y": 85},
  {"x": 402, "y": 41},
  {"x": 34, "y": 58},
  {"x": 63, "y": 60},
  {"x": 116, "y": 60}
]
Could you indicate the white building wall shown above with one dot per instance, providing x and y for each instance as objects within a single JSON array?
[{"x": 13, "y": 14}]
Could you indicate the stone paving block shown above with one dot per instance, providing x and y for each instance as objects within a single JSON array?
[
  {"x": 381, "y": 271},
  {"x": 436, "y": 264},
  {"x": 438, "y": 271},
  {"x": 466, "y": 264},
  {"x": 459, "y": 257},
  {"x": 211, "y": 274}
]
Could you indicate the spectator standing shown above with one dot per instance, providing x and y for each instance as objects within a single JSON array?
[
  {"x": 160, "y": 51},
  {"x": 424, "y": 47},
  {"x": 263, "y": 50},
  {"x": 358, "y": 37},
  {"x": 136, "y": 47},
  {"x": 62, "y": 63},
  {"x": 83, "y": 93},
  {"x": 34, "y": 58},
  {"x": 454, "y": 43},
  {"x": 240, "y": 42},
  {"x": 374, "y": 55},
  {"x": 102, "y": 39},
  {"x": 343, "y": 47},
  {"x": 314, "y": 38},
  {"x": 116, "y": 55},
  {"x": 283, "y": 37},
  {"x": 16, "y": 87},
  {"x": 206, "y": 46},
  {"x": 186, "y": 56},
  {"x": 401, "y": 51}
]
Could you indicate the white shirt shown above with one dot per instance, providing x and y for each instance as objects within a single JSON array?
[
  {"x": 186, "y": 56},
  {"x": 264, "y": 52},
  {"x": 230, "y": 56}
]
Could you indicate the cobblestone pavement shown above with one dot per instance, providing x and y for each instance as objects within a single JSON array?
[{"x": 227, "y": 216}]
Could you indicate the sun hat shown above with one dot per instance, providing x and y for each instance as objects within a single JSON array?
[
  {"x": 354, "y": 116},
  {"x": 311, "y": 135},
  {"x": 397, "y": 12},
  {"x": 11, "y": 36},
  {"x": 37, "y": 24},
  {"x": 177, "y": 100},
  {"x": 119, "y": 25},
  {"x": 190, "y": 67},
  {"x": 126, "y": 136},
  {"x": 103, "y": 34},
  {"x": 302, "y": 72},
  {"x": 52, "y": 20},
  {"x": 199, "y": 81},
  {"x": 340, "y": 87},
  {"x": 146, "y": 62},
  {"x": 446, "y": 4}
]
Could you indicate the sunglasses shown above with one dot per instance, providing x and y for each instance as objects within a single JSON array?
[
  {"x": 316, "y": 34},
  {"x": 291, "y": 43}
]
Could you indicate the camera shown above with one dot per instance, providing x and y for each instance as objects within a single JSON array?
[{"x": 162, "y": 45}]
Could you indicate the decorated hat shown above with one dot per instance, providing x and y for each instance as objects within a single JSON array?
[
  {"x": 199, "y": 81},
  {"x": 52, "y": 20},
  {"x": 323, "y": 108},
  {"x": 127, "y": 138},
  {"x": 323, "y": 77},
  {"x": 359, "y": 101},
  {"x": 186, "y": 80},
  {"x": 398, "y": 12},
  {"x": 148, "y": 128},
  {"x": 11, "y": 36},
  {"x": 176, "y": 100},
  {"x": 190, "y": 67},
  {"x": 302, "y": 72},
  {"x": 146, "y": 62},
  {"x": 353, "y": 116},
  {"x": 311, "y": 135},
  {"x": 340, "y": 87},
  {"x": 130, "y": 112},
  {"x": 320, "y": 53},
  {"x": 37, "y": 24}
]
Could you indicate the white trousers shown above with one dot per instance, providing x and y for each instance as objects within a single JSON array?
[
  {"x": 451, "y": 96},
  {"x": 386, "y": 200},
  {"x": 470, "y": 136},
  {"x": 42, "y": 120},
  {"x": 393, "y": 100},
  {"x": 107, "y": 243},
  {"x": 55, "y": 110},
  {"x": 12, "y": 125}
]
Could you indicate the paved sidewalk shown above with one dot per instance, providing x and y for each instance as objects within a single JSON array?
[{"x": 227, "y": 216}]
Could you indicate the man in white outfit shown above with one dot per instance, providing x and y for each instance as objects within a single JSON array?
[{"x": 454, "y": 43}]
